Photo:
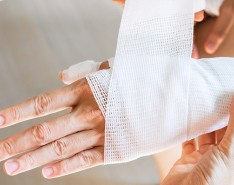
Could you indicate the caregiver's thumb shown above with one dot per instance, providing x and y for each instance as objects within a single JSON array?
[{"x": 227, "y": 144}]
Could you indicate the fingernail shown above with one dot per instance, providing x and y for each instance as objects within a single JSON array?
[
  {"x": 11, "y": 167},
  {"x": 2, "y": 120},
  {"x": 48, "y": 171}
]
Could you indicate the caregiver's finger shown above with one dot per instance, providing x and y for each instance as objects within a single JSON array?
[
  {"x": 220, "y": 133},
  {"x": 199, "y": 16},
  {"x": 79, "y": 162},
  {"x": 221, "y": 28},
  {"x": 55, "y": 151},
  {"x": 226, "y": 146},
  {"x": 42, "y": 105},
  {"x": 206, "y": 140}
]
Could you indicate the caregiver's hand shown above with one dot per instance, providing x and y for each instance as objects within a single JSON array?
[
  {"x": 67, "y": 144},
  {"x": 221, "y": 28},
  {"x": 209, "y": 163}
]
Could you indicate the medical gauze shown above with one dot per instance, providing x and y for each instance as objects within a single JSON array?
[
  {"x": 156, "y": 95},
  {"x": 213, "y": 7}
]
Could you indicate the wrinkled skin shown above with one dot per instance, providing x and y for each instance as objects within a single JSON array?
[{"x": 67, "y": 144}]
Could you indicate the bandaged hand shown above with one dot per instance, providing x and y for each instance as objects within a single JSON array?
[
  {"x": 209, "y": 163},
  {"x": 221, "y": 28},
  {"x": 67, "y": 144}
]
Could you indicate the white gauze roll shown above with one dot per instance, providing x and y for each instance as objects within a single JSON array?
[
  {"x": 213, "y": 7},
  {"x": 156, "y": 96}
]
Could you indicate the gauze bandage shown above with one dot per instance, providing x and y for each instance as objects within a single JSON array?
[
  {"x": 156, "y": 96},
  {"x": 213, "y": 7}
]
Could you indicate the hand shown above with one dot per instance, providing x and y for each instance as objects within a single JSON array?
[
  {"x": 209, "y": 163},
  {"x": 67, "y": 144},
  {"x": 221, "y": 28}
]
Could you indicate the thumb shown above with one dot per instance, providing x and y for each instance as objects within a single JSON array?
[
  {"x": 227, "y": 143},
  {"x": 79, "y": 71},
  {"x": 220, "y": 29}
]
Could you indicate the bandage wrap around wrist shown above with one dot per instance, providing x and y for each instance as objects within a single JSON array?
[{"x": 156, "y": 96}]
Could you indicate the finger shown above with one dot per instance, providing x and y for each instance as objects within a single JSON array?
[
  {"x": 78, "y": 120},
  {"x": 43, "y": 104},
  {"x": 38, "y": 135},
  {"x": 121, "y": 2},
  {"x": 106, "y": 65},
  {"x": 220, "y": 133},
  {"x": 79, "y": 71},
  {"x": 206, "y": 141},
  {"x": 220, "y": 30},
  {"x": 188, "y": 147},
  {"x": 227, "y": 143},
  {"x": 79, "y": 162},
  {"x": 199, "y": 16},
  {"x": 55, "y": 151}
]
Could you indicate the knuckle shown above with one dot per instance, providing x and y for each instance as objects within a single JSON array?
[
  {"x": 86, "y": 88},
  {"x": 59, "y": 148},
  {"x": 100, "y": 138},
  {"x": 86, "y": 159},
  {"x": 64, "y": 167},
  {"x": 41, "y": 133},
  {"x": 96, "y": 115},
  {"x": 41, "y": 103},
  {"x": 29, "y": 161},
  {"x": 93, "y": 115},
  {"x": 90, "y": 158},
  {"x": 80, "y": 87},
  {"x": 9, "y": 147},
  {"x": 15, "y": 113}
]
